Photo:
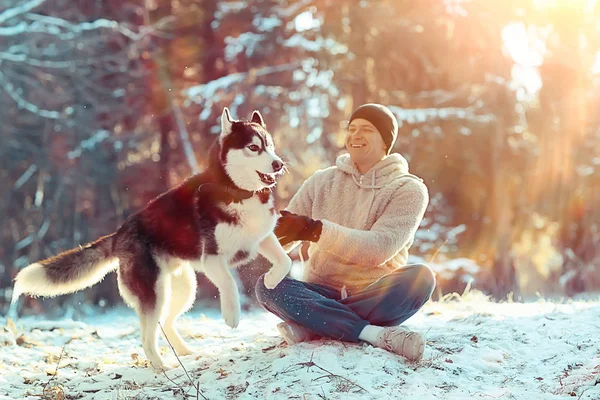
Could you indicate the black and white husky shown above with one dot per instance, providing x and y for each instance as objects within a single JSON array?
[{"x": 213, "y": 221}]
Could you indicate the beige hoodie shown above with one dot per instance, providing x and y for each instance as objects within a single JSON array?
[{"x": 369, "y": 221}]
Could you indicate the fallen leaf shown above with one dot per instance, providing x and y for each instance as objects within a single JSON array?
[
  {"x": 138, "y": 362},
  {"x": 222, "y": 373},
  {"x": 54, "y": 392},
  {"x": 51, "y": 358},
  {"x": 21, "y": 340}
]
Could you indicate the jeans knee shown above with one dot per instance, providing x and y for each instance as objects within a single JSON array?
[
  {"x": 261, "y": 290},
  {"x": 425, "y": 281}
]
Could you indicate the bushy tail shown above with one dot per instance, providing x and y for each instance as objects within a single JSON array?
[{"x": 67, "y": 272}]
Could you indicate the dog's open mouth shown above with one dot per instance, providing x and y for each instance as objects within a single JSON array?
[{"x": 267, "y": 179}]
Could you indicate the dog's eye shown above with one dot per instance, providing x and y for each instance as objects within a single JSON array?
[{"x": 253, "y": 147}]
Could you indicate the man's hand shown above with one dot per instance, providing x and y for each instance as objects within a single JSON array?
[{"x": 291, "y": 227}]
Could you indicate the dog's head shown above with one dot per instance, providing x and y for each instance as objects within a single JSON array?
[{"x": 247, "y": 152}]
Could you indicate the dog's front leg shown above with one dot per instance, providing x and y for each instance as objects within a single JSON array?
[
  {"x": 217, "y": 270},
  {"x": 282, "y": 263}
]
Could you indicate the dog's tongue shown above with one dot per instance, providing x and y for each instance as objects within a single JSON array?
[{"x": 267, "y": 178}]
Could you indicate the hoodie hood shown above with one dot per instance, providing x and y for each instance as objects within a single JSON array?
[{"x": 389, "y": 169}]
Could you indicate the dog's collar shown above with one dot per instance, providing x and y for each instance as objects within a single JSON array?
[
  {"x": 228, "y": 194},
  {"x": 239, "y": 194}
]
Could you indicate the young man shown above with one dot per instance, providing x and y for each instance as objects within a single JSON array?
[{"x": 361, "y": 215}]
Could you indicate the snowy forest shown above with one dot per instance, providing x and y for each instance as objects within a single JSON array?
[{"x": 106, "y": 104}]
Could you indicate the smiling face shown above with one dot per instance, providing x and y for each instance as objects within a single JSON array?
[
  {"x": 365, "y": 144},
  {"x": 248, "y": 154}
]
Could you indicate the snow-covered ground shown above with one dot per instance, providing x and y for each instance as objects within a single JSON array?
[{"x": 476, "y": 349}]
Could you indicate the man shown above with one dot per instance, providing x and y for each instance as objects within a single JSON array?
[{"x": 361, "y": 216}]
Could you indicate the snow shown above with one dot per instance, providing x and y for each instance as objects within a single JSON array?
[
  {"x": 420, "y": 115},
  {"x": 208, "y": 90},
  {"x": 207, "y": 93},
  {"x": 266, "y": 24},
  {"x": 246, "y": 42},
  {"x": 476, "y": 349},
  {"x": 89, "y": 144},
  {"x": 332, "y": 46},
  {"x": 306, "y": 21},
  {"x": 298, "y": 40},
  {"x": 449, "y": 268}
]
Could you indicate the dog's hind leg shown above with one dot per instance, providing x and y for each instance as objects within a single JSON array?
[
  {"x": 147, "y": 290},
  {"x": 149, "y": 324},
  {"x": 183, "y": 293}
]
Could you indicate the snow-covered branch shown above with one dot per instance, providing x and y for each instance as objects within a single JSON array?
[
  {"x": 89, "y": 144},
  {"x": 210, "y": 89},
  {"x": 19, "y": 10},
  {"x": 420, "y": 115},
  {"x": 25, "y": 59},
  {"x": 66, "y": 56},
  {"x": 23, "y": 103}
]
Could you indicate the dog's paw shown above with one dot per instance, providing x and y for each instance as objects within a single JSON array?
[
  {"x": 184, "y": 350},
  {"x": 160, "y": 367},
  {"x": 231, "y": 312},
  {"x": 276, "y": 275}
]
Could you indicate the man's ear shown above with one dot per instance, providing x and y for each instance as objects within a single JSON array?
[
  {"x": 226, "y": 123},
  {"x": 257, "y": 118}
]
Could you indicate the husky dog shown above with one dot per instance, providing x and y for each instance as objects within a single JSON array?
[{"x": 213, "y": 221}]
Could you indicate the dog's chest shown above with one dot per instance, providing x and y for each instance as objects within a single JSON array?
[{"x": 254, "y": 221}]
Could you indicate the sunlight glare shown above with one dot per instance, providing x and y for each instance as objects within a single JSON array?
[{"x": 563, "y": 3}]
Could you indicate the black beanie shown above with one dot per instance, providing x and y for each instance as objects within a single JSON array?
[{"x": 382, "y": 118}]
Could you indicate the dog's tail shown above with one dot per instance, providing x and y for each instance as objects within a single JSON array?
[{"x": 67, "y": 272}]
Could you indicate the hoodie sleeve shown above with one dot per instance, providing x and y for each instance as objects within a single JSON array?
[
  {"x": 301, "y": 203},
  {"x": 393, "y": 231}
]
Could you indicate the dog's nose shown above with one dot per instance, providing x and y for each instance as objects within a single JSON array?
[{"x": 277, "y": 165}]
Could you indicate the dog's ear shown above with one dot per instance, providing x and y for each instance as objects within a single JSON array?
[
  {"x": 226, "y": 123},
  {"x": 257, "y": 118}
]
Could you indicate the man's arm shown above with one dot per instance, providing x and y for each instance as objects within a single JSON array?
[
  {"x": 301, "y": 203},
  {"x": 390, "y": 233}
]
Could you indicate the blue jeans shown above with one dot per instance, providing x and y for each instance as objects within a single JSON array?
[{"x": 389, "y": 301}]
